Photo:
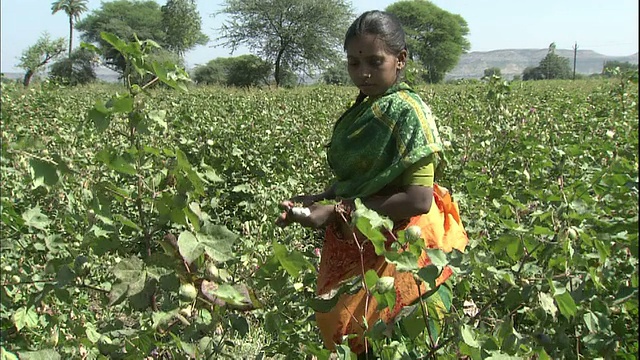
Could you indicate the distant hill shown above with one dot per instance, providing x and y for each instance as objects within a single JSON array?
[{"x": 513, "y": 61}]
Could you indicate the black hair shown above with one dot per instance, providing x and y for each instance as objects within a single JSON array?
[{"x": 385, "y": 26}]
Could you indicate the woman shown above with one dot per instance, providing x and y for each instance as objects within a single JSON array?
[{"x": 385, "y": 150}]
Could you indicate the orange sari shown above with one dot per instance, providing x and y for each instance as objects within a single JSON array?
[{"x": 340, "y": 260}]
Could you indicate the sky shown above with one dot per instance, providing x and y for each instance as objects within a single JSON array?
[{"x": 607, "y": 27}]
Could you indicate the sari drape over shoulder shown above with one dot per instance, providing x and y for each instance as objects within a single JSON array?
[{"x": 372, "y": 144}]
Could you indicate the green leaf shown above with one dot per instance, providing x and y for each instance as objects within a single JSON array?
[
  {"x": 325, "y": 302},
  {"x": 228, "y": 294},
  {"x": 6, "y": 355},
  {"x": 92, "y": 334},
  {"x": 100, "y": 119},
  {"x": 45, "y": 354},
  {"x": 161, "y": 318},
  {"x": 293, "y": 262},
  {"x": 566, "y": 305},
  {"x": 438, "y": 257},
  {"x": 468, "y": 336},
  {"x": 240, "y": 324},
  {"x": 44, "y": 170},
  {"x": 34, "y": 218},
  {"x": 115, "y": 41},
  {"x": 158, "y": 117},
  {"x": 592, "y": 322},
  {"x": 272, "y": 323},
  {"x": 122, "y": 103},
  {"x": 129, "y": 270},
  {"x": 404, "y": 261},
  {"x": 182, "y": 161},
  {"x": 370, "y": 224},
  {"x": 117, "y": 293},
  {"x": 446, "y": 296},
  {"x": 344, "y": 353},
  {"x": 540, "y": 230},
  {"x": 189, "y": 247},
  {"x": 126, "y": 222},
  {"x": 370, "y": 278},
  {"x": 64, "y": 276},
  {"x": 25, "y": 317},
  {"x": 429, "y": 274},
  {"x": 121, "y": 165}
]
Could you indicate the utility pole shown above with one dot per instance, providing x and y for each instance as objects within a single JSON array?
[{"x": 575, "y": 53}]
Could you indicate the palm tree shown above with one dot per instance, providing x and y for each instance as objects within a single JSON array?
[{"x": 73, "y": 9}]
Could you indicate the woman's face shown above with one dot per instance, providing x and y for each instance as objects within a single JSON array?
[{"x": 371, "y": 67}]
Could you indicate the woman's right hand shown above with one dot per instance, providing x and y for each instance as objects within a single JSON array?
[{"x": 318, "y": 216}]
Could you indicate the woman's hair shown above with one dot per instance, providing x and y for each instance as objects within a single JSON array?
[
  {"x": 385, "y": 26},
  {"x": 382, "y": 24}
]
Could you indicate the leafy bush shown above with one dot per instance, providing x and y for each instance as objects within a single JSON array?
[
  {"x": 104, "y": 220},
  {"x": 75, "y": 70}
]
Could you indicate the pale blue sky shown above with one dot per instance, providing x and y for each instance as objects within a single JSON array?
[{"x": 607, "y": 27}]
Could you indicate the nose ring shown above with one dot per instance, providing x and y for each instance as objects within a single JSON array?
[{"x": 367, "y": 76}]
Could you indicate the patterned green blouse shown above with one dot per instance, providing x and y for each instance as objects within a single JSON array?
[{"x": 379, "y": 139}]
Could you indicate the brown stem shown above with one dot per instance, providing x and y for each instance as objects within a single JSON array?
[{"x": 155, "y": 80}]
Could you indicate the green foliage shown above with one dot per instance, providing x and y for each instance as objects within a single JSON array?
[
  {"x": 434, "y": 36},
  {"x": 125, "y": 19},
  {"x": 532, "y": 73},
  {"x": 73, "y": 9},
  {"x": 248, "y": 70},
  {"x": 75, "y": 70},
  {"x": 240, "y": 71},
  {"x": 336, "y": 74},
  {"x": 214, "y": 72},
  {"x": 555, "y": 67},
  {"x": 551, "y": 67},
  {"x": 492, "y": 71},
  {"x": 181, "y": 23},
  {"x": 623, "y": 67},
  {"x": 545, "y": 173},
  {"x": 299, "y": 35},
  {"x": 38, "y": 55}
]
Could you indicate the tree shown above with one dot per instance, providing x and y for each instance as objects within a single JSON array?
[
  {"x": 555, "y": 67},
  {"x": 122, "y": 18},
  {"x": 532, "y": 73},
  {"x": 38, "y": 55},
  {"x": 435, "y": 37},
  {"x": 181, "y": 23},
  {"x": 73, "y": 9},
  {"x": 552, "y": 66},
  {"x": 245, "y": 70},
  {"x": 492, "y": 71},
  {"x": 248, "y": 70},
  {"x": 212, "y": 73},
  {"x": 300, "y": 35},
  {"x": 76, "y": 69},
  {"x": 624, "y": 67},
  {"x": 337, "y": 74}
]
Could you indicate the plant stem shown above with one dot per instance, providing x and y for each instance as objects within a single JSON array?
[{"x": 425, "y": 314}]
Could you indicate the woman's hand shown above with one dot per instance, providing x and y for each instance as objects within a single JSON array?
[{"x": 319, "y": 215}]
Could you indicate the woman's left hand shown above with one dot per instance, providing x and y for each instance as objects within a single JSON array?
[{"x": 319, "y": 216}]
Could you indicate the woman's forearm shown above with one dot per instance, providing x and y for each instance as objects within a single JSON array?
[{"x": 415, "y": 200}]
